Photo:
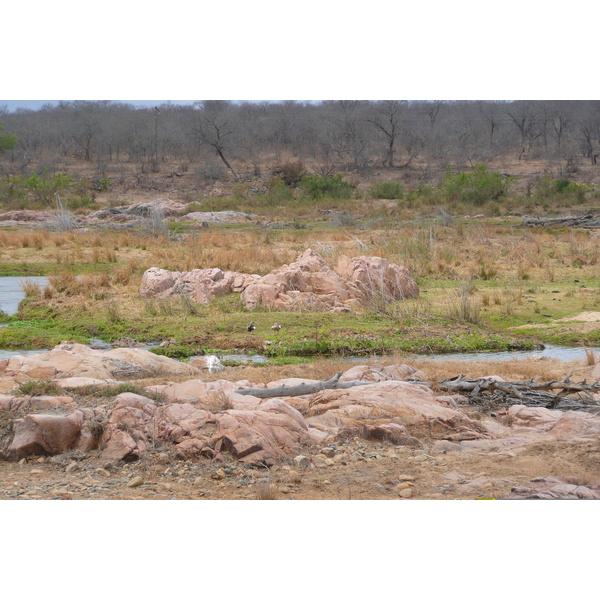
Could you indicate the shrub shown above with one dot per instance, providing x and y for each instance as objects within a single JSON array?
[
  {"x": 329, "y": 186},
  {"x": 281, "y": 193},
  {"x": 387, "y": 190},
  {"x": 44, "y": 188},
  {"x": 549, "y": 189},
  {"x": 290, "y": 173},
  {"x": 477, "y": 186}
]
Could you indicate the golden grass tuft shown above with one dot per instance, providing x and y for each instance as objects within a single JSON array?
[
  {"x": 590, "y": 357},
  {"x": 267, "y": 491},
  {"x": 31, "y": 289},
  {"x": 121, "y": 275}
]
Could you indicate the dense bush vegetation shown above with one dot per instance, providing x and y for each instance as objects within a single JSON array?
[
  {"x": 475, "y": 187},
  {"x": 387, "y": 190},
  {"x": 316, "y": 187}
]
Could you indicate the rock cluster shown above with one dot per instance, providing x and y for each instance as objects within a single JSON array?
[
  {"x": 193, "y": 418},
  {"x": 200, "y": 285},
  {"x": 77, "y": 360},
  {"x": 308, "y": 283}
]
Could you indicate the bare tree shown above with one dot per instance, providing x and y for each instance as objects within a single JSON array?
[
  {"x": 524, "y": 117},
  {"x": 213, "y": 128},
  {"x": 387, "y": 120}
]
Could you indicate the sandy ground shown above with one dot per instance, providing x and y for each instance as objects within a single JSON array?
[{"x": 359, "y": 470}]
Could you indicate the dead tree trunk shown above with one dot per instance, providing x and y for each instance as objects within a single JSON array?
[{"x": 301, "y": 389}]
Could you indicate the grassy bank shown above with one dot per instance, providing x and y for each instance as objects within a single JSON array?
[{"x": 486, "y": 284}]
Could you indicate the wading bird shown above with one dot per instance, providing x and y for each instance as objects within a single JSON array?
[{"x": 276, "y": 327}]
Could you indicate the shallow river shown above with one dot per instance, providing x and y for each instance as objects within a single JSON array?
[{"x": 11, "y": 291}]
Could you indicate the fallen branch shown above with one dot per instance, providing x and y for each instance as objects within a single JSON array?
[
  {"x": 530, "y": 392},
  {"x": 586, "y": 222},
  {"x": 302, "y": 388}
]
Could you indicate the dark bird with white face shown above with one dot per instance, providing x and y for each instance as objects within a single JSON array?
[{"x": 251, "y": 327}]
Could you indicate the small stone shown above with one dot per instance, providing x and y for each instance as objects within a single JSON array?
[
  {"x": 41, "y": 459},
  {"x": 403, "y": 486},
  {"x": 198, "y": 481},
  {"x": 22, "y": 461},
  {"x": 294, "y": 476},
  {"x": 328, "y": 452},
  {"x": 103, "y": 472},
  {"x": 135, "y": 482},
  {"x": 405, "y": 477},
  {"x": 181, "y": 481},
  {"x": 302, "y": 461},
  {"x": 407, "y": 493},
  {"x": 220, "y": 474},
  {"x": 36, "y": 471},
  {"x": 420, "y": 457}
]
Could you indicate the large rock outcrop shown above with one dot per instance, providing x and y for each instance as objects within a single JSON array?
[
  {"x": 308, "y": 283},
  {"x": 77, "y": 360},
  {"x": 199, "y": 285}
]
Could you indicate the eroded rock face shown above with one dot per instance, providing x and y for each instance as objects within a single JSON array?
[
  {"x": 524, "y": 425},
  {"x": 26, "y": 215},
  {"x": 76, "y": 360},
  {"x": 44, "y": 434},
  {"x": 137, "y": 423},
  {"x": 307, "y": 283},
  {"x": 555, "y": 488},
  {"x": 406, "y": 403},
  {"x": 262, "y": 436},
  {"x": 199, "y": 285}
]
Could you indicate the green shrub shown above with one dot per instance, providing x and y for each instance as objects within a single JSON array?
[
  {"x": 281, "y": 193},
  {"x": 476, "y": 187},
  {"x": 387, "y": 190},
  {"x": 549, "y": 189},
  {"x": 316, "y": 187},
  {"x": 44, "y": 188}
]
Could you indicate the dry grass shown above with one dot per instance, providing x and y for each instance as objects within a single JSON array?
[
  {"x": 590, "y": 357},
  {"x": 464, "y": 252},
  {"x": 267, "y": 491},
  {"x": 31, "y": 289},
  {"x": 511, "y": 370}
]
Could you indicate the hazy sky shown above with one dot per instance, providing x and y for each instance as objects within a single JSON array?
[{"x": 37, "y": 104}]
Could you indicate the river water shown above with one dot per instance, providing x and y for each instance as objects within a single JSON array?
[{"x": 11, "y": 292}]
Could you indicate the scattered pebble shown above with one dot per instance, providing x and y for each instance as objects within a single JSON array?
[
  {"x": 135, "y": 482},
  {"x": 302, "y": 461},
  {"x": 220, "y": 474}
]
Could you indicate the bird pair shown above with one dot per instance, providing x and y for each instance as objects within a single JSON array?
[{"x": 274, "y": 327}]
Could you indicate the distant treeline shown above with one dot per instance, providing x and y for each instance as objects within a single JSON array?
[{"x": 243, "y": 137}]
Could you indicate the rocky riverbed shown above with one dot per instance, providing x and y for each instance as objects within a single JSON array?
[{"x": 96, "y": 429}]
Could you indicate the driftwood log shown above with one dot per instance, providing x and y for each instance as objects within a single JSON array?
[
  {"x": 585, "y": 222},
  {"x": 532, "y": 393},
  {"x": 565, "y": 394},
  {"x": 302, "y": 388}
]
